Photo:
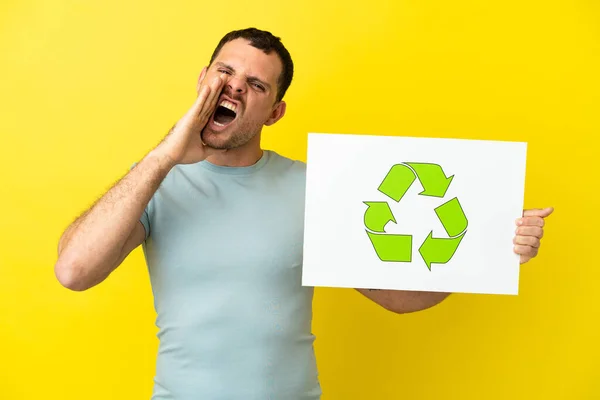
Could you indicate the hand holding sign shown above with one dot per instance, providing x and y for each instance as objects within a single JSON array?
[{"x": 529, "y": 232}]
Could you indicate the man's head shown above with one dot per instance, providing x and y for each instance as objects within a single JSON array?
[
  {"x": 258, "y": 71},
  {"x": 268, "y": 43}
]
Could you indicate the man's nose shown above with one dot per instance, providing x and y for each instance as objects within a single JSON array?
[{"x": 236, "y": 85}]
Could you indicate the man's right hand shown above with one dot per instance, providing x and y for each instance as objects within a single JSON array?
[
  {"x": 87, "y": 255},
  {"x": 183, "y": 144}
]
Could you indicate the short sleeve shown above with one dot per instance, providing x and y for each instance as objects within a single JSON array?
[
  {"x": 145, "y": 220},
  {"x": 145, "y": 217}
]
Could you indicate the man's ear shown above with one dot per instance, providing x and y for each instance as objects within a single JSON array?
[
  {"x": 200, "y": 80},
  {"x": 277, "y": 113}
]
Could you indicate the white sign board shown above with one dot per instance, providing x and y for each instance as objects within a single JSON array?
[{"x": 385, "y": 212}]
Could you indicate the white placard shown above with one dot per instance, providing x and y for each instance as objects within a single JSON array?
[{"x": 407, "y": 213}]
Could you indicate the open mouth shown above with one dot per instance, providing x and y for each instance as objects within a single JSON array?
[{"x": 225, "y": 113}]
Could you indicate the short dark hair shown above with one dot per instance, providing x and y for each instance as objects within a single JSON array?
[{"x": 265, "y": 41}]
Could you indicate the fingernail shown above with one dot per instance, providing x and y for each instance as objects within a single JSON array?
[{"x": 519, "y": 221}]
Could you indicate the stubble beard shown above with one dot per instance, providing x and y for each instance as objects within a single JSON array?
[{"x": 239, "y": 137}]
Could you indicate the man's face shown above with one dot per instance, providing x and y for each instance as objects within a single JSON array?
[{"x": 248, "y": 99}]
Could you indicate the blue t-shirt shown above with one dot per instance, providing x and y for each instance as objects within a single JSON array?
[{"x": 224, "y": 252}]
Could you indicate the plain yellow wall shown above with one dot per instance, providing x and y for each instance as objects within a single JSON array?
[{"x": 87, "y": 87}]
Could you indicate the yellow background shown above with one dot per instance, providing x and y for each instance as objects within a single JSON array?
[{"x": 87, "y": 87}]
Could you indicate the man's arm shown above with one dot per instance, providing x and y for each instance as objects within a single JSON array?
[
  {"x": 527, "y": 243},
  {"x": 98, "y": 241},
  {"x": 404, "y": 301}
]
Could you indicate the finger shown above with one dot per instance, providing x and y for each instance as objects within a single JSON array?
[
  {"x": 210, "y": 104},
  {"x": 201, "y": 80},
  {"x": 538, "y": 212},
  {"x": 524, "y": 259},
  {"x": 530, "y": 231},
  {"x": 531, "y": 221},
  {"x": 527, "y": 241},
  {"x": 201, "y": 99},
  {"x": 524, "y": 250},
  {"x": 206, "y": 93}
]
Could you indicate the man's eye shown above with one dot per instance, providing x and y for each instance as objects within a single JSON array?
[
  {"x": 256, "y": 85},
  {"x": 224, "y": 71}
]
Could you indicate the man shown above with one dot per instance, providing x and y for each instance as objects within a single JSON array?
[{"x": 221, "y": 224}]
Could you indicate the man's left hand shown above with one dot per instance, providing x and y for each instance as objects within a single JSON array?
[{"x": 530, "y": 229}]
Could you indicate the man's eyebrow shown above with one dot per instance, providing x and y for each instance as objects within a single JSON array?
[
  {"x": 221, "y": 64},
  {"x": 249, "y": 77}
]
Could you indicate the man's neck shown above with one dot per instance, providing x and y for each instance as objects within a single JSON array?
[{"x": 244, "y": 156}]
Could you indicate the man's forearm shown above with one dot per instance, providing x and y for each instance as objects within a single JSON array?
[
  {"x": 91, "y": 246},
  {"x": 404, "y": 301}
]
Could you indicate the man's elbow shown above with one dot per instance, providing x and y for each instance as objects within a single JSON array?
[
  {"x": 420, "y": 303},
  {"x": 70, "y": 275}
]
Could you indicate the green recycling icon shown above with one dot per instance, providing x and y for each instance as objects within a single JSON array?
[{"x": 398, "y": 247}]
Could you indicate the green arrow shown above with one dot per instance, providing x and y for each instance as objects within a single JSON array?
[
  {"x": 432, "y": 178},
  {"x": 452, "y": 217},
  {"x": 397, "y": 181},
  {"x": 392, "y": 247},
  {"x": 378, "y": 214},
  {"x": 439, "y": 250}
]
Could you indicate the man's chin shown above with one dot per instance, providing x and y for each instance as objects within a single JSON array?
[
  {"x": 228, "y": 139},
  {"x": 217, "y": 141}
]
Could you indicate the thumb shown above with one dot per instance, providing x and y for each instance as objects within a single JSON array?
[{"x": 538, "y": 212}]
